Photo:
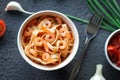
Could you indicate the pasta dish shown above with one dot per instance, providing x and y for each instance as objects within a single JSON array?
[{"x": 47, "y": 40}]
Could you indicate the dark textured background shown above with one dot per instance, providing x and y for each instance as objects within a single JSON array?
[{"x": 12, "y": 65}]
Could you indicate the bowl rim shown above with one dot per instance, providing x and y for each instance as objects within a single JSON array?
[
  {"x": 105, "y": 49},
  {"x": 67, "y": 60}
]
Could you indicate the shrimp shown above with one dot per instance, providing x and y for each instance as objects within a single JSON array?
[
  {"x": 45, "y": 56},
  {"x": 33, "y": 52},
  {"x": 41, "y": 24},
  {"x": 28, "y": 31},
  {"x": 41, "y": 44},
  {"x": 61, "y": 44},
  {"x": 63, "y": 32},
  {"x": 38, "y": 41},
  {"x": 47, "y": 24},
  {"x": 50, "y": 37}
]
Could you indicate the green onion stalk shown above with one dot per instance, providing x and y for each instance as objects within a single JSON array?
[{"x": 109, "y": 8}]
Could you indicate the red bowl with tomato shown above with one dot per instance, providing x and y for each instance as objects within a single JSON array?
[{"x": 112, "y": 49}]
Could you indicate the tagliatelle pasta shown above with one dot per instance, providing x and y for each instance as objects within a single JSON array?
[{"x": 47, "y": 40}]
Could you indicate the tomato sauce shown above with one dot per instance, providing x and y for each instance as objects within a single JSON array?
[{"x": 114, "y": 49}]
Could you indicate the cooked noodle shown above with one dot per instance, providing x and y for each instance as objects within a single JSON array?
[{"x": 47, "y": 40}]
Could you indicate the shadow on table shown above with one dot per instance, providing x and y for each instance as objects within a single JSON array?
[{"x": 61, "y": 74}]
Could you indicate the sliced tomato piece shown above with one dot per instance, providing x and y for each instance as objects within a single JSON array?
[
  {"x": 2, "y": 27},
  {"x": 112, "y": 50}
]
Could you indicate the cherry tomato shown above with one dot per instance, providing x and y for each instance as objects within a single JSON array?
[{"x": 2, "y": 27}]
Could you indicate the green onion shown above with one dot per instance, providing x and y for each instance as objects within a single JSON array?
[
  {"x": 86, "y": 22},
  {"x": 113, "y": 14},
  {"x": 114, "y": 11},
  {"x": 111, "y": 20},
  {"x": 77, "y": 19},
  {"x": 93, "y": 8},
  {"x": 116, "y": 5},
  {"x": 109, "y": 28},
  {"x": 110, "y": 9},
  {"x": 107, "y": 6},
  {"x": 105, "y": 12}
]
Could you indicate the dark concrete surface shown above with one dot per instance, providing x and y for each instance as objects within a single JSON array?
[{"x": 13, "y": 66}]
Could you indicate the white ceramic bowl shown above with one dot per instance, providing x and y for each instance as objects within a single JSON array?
[
  {"x": 70, "y": 24},
  {"x": 116, "y": 32}
]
